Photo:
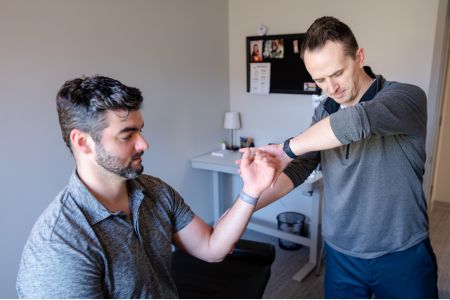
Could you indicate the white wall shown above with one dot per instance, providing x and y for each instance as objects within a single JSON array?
[
  {"x": 178, "y": 54},
  {"x": 399, "y": 38},
  {"x": 175, "y": 51}
]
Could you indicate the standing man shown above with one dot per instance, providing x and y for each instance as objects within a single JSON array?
[
  {"x": 109, "y": 233},
  {"x": 369, "y": 137}
]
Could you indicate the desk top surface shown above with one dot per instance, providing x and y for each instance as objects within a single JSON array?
[
  {"x": 226, "y": 164},
  {"x": 228, "y": 158}
]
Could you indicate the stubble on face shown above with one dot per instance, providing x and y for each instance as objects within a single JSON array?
[{"x": 118, "y": 166}]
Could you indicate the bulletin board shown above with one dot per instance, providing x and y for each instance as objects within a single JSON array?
[{"x": 281, "y": 53}]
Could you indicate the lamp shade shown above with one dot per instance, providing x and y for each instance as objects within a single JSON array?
[{"x": 232, "y": 120}]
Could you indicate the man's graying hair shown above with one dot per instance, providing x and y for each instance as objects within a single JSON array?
[
  {"x": 82, "y": 103},
  {"x": 326, "y": 29}
]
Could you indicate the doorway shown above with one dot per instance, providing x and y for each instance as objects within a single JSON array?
[{"x": 440, "y": 189}]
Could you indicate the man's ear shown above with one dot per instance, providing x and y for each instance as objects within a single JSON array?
[
  {"x": 361, "y": 56},
  {"x": 81, "y": 141}
]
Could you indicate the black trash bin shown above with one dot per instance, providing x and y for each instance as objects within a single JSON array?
[{"x": 291, "y": 222}]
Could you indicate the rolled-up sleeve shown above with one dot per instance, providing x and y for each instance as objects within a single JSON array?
[
  {"x": 398, "y": 109},
  {"x": 350, "y": 124}
]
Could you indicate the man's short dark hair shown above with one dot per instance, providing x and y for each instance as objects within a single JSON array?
[
  {"x": 326, "y": 29},
  {"x": 82, "y": 103}
]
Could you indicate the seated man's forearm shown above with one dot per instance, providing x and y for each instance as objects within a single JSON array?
[{"x": 282, "y": 186}]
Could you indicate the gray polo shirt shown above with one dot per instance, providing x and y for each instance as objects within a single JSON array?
[{"x": 79, "y": 249}]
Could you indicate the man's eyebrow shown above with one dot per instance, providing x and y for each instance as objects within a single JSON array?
[
  {"x": 131, "y": 128},
  {"x": 338, "y": 71},
  {"x": 315, "y": 79}
]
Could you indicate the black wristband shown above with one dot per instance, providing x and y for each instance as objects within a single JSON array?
[{"x": 287, "y": 149}]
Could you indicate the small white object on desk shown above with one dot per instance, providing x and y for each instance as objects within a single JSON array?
[{"x": 221, "y": 153}]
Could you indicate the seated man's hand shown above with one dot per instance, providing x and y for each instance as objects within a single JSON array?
[
  {"x": 276, "y": 152},
  {"x": 258, "y": 170}
]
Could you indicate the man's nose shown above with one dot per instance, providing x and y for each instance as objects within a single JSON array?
[
  {"x": 141, "y": 144},
  {"x": 332, "y": 86}
]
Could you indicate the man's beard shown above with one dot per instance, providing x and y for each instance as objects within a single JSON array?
[{"x": 117, "y": 166}]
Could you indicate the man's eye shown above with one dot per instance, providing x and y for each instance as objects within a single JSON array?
[{"x": 127, "y": 137}]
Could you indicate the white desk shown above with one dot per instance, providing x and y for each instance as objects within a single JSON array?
[{"x": 220, "y": 165}]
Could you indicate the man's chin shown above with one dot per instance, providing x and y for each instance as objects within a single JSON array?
[
  {"x": 340, "y": 98},
  {"x": 140, "y": 170},
  {"x": 132, "y": 173}
]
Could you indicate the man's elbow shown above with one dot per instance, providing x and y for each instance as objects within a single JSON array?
[
  {"x": 215, "y": 259},
  {"x": 218, "y": 256}
]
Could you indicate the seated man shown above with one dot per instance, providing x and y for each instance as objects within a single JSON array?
[{"x": 109, "y": 233}]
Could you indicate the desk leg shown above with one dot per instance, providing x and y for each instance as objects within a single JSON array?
[
  {"x": 216, "y": 194},
  {"x": 314, "y": 230},
  {"x": 315, "y": 226}
]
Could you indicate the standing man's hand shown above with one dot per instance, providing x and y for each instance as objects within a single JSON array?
[{"x": 277, "y": 152}]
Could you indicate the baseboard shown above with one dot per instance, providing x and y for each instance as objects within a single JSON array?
[{"x": 441, "y": 204}]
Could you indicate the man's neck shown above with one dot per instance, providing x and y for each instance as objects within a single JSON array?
[
  {"x": 364, "y": 84},
  {"x": 109, "y": 189}
]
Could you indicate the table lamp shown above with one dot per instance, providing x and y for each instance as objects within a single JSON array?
[{"x": 232, "y": 121}]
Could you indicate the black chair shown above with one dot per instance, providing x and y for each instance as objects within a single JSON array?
[{"x": 242, "y": 274}]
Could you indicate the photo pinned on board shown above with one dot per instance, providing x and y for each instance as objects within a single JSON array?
[{"x": 255, "y": 51}]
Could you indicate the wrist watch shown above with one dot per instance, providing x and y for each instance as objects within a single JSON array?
[{"x": 287, "y": 149}]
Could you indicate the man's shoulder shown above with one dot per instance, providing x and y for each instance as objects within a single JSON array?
[
  {"x": 60, "y": 219},
  {"x": 400, "y": 86},
  {"x": 400, "y": 89},
  {"x": 61, "y": 243}
]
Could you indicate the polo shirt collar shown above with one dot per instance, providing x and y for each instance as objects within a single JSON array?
[{"x": 94, "y": 209}]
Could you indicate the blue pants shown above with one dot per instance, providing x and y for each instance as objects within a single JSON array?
[{"x": 411, "y": 273}]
